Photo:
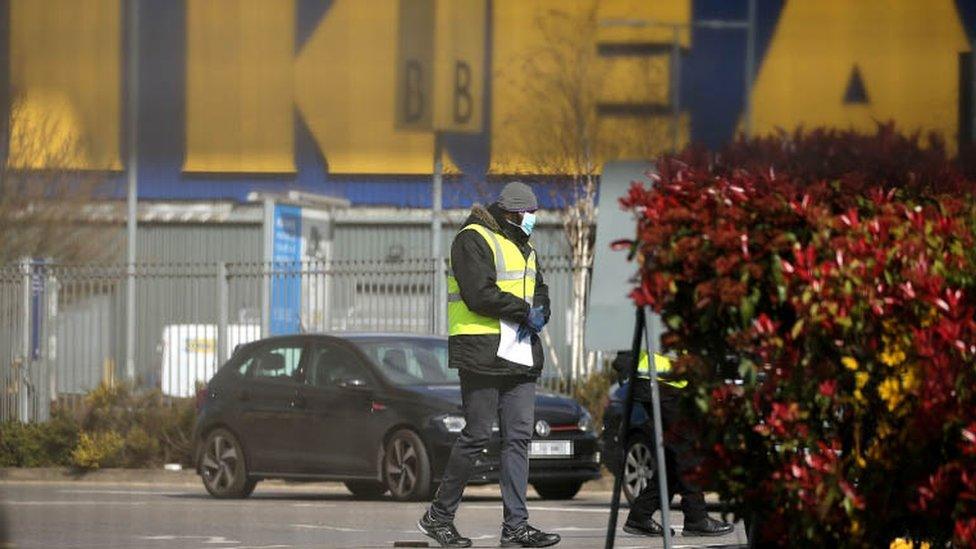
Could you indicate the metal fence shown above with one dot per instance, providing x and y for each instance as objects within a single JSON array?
[{"x": 63, "y": 327}]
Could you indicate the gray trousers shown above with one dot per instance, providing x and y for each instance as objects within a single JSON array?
[{"x": 510, "y": 399}]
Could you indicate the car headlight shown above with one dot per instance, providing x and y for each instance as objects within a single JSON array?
[
  {"x": 585, "y": 421},
  {"x": 453, "y": 424}
]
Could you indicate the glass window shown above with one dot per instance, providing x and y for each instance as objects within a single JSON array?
[
  {"x": 276, "y": 363},
  {"x": 332, "y": 363},
  {"x": 411, "y": 361}
]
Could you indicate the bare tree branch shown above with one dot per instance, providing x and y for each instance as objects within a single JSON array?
[{"x": 43, "y": 191}]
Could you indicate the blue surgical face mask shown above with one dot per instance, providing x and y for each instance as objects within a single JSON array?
[{"x": 528, "y": 222}]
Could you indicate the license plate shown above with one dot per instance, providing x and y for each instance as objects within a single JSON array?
[{"x": 551, "y": 449}]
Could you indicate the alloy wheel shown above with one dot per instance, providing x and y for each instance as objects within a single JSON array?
[
  {"x": 638, "y": 469},
  {"x": 402, "y": 467},
  {"x": 220, "y": 464}
]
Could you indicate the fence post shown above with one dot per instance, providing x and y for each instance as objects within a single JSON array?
[
  {"x": 222, "y": 305},
  {"x": 268, "y": 258},
  {"x": 49, "y": 345},
  {"x": 23, "y": 385},
  {"x": 435, "y": 295}
]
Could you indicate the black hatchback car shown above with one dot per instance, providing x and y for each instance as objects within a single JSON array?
[{"x": 377, "y": 412}]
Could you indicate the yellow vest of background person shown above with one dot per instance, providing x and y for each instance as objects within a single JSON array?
[
  {"x": 514, "y": 274},
  {"x": 663, "y": 366}
]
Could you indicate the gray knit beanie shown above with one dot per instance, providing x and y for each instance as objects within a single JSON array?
[{"x": 518, "y": 197}]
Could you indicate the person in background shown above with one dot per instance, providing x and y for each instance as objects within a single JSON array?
[
  {"x": 497, "y": 305},
  {"x": 679, "y": 444}
]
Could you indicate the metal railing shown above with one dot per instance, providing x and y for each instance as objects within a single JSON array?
[{"x": 63, "y": 327}]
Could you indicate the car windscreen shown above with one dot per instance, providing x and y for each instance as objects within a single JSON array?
[{"x": 410, "y": 361}]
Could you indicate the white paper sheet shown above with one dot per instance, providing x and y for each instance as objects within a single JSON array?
[{"x": 511, "y": 349}]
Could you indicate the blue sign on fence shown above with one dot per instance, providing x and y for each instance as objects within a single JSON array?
[{"x": 286, "y": 288}]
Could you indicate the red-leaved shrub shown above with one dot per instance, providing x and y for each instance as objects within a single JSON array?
[{"x": 835, "y": 276}]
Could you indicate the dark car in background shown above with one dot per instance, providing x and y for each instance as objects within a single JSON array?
[
  {"x": 379, "y": 412},
  {"x": 636, "y": 450}
]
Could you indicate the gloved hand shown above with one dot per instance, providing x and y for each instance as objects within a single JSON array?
[
  {"x": 537, "y": 319},
  {"x": 524, "y": 332}
]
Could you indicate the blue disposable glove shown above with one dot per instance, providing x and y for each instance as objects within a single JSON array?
[
  {"x": 537, "y": 319},
  {"x": 523, "y": 332}
]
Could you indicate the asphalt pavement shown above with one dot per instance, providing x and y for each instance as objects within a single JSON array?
[{"x": 279, "y": 516}]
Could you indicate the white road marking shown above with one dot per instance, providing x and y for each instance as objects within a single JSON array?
[
  {"x": 123, "y": 492},
  {"x": 71, "y": 502},
  {"x": 326, "y": 527},
  {"x": 202, "y": 539},
  {"x": 313, "y": 505},
  {"x": 554, "y": 509}
]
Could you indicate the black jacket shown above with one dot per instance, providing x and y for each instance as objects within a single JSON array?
[{"x": 473, "y": 264}]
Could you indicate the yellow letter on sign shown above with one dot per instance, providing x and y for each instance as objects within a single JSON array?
[
  {"x": 849, "y": 64},
  {"x": 459, "y": 66},
  {"x": 239, "y": 86},
  {"x": 64, "y": 69}
]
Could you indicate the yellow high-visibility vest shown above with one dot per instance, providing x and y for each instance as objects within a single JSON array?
[
  {"x": 663, "y": 365},
  {"x": 514, "y": 274}
]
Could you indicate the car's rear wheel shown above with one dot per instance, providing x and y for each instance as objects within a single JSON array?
[
  {"x": 223, "y": 466},
  {"x": 406, "y": 467},
  {"x": 366, "y": 488},
  {"x": 558, "y": 490},
  {"x": 640, "y": 467}
]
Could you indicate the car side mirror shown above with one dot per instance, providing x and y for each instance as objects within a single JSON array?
[{"x": 351, "y": 383}]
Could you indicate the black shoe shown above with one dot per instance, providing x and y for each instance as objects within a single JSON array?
[
  {"x": 649, "y": 527},
  {"x": 527, "y": 536},
  {"x": 443, "y": 533},
  {"x": 707, "y": 527}
]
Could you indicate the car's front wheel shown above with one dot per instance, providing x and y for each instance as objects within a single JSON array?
[
  {"x": 366, "y": 488},
  {"x": 640, "y": 467},
  {"x": 406, "y": 467},
  {"x": 558, "y": 490},
  {"x": 223, "y": 466}
]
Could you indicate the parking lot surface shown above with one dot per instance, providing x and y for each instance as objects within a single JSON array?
[{"x": 280, "y": 516}]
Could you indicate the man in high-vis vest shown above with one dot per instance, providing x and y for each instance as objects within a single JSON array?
[
  {"x": 497, "y": 303},
  {"x": 679, "y": 456}
]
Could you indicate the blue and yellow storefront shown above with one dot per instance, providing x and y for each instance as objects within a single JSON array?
[{"x": 243, "y": 95}]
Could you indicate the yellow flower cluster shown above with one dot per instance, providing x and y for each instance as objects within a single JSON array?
[
  {"x": 892, "y": 356},
  {"x": 902, "y": 543},
  {"x": 860, "y": 379},
  {"x": 892, "y": 390},
  {"x": 893, "y": 351}
]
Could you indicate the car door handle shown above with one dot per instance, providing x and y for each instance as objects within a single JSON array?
[{"x": 298, "y": 401}]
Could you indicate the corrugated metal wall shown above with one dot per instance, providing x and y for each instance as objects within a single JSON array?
[
  {"x": 176, "y": 285},
  {"x": 198, "y": 243},
  {"x": 412, "y": 240},
  {"x": 241, "y": 243}
]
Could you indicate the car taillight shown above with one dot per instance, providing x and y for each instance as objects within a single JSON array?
[{"x": 202, "y": 397}]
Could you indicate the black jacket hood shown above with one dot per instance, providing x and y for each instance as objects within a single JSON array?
[{"x": 492, "y": 217}]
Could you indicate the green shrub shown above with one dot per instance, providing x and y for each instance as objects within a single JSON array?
[
  {"x": 147, "y": 428},
  {"x": 38, "y": 444},
  {"x": 98, "y": 449},
  {"x": 19, "y": 445},
  {"x": 58, "y": 437},
  {"x": 156, "y": 429},
  {"x": 140, "y": 450}
]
